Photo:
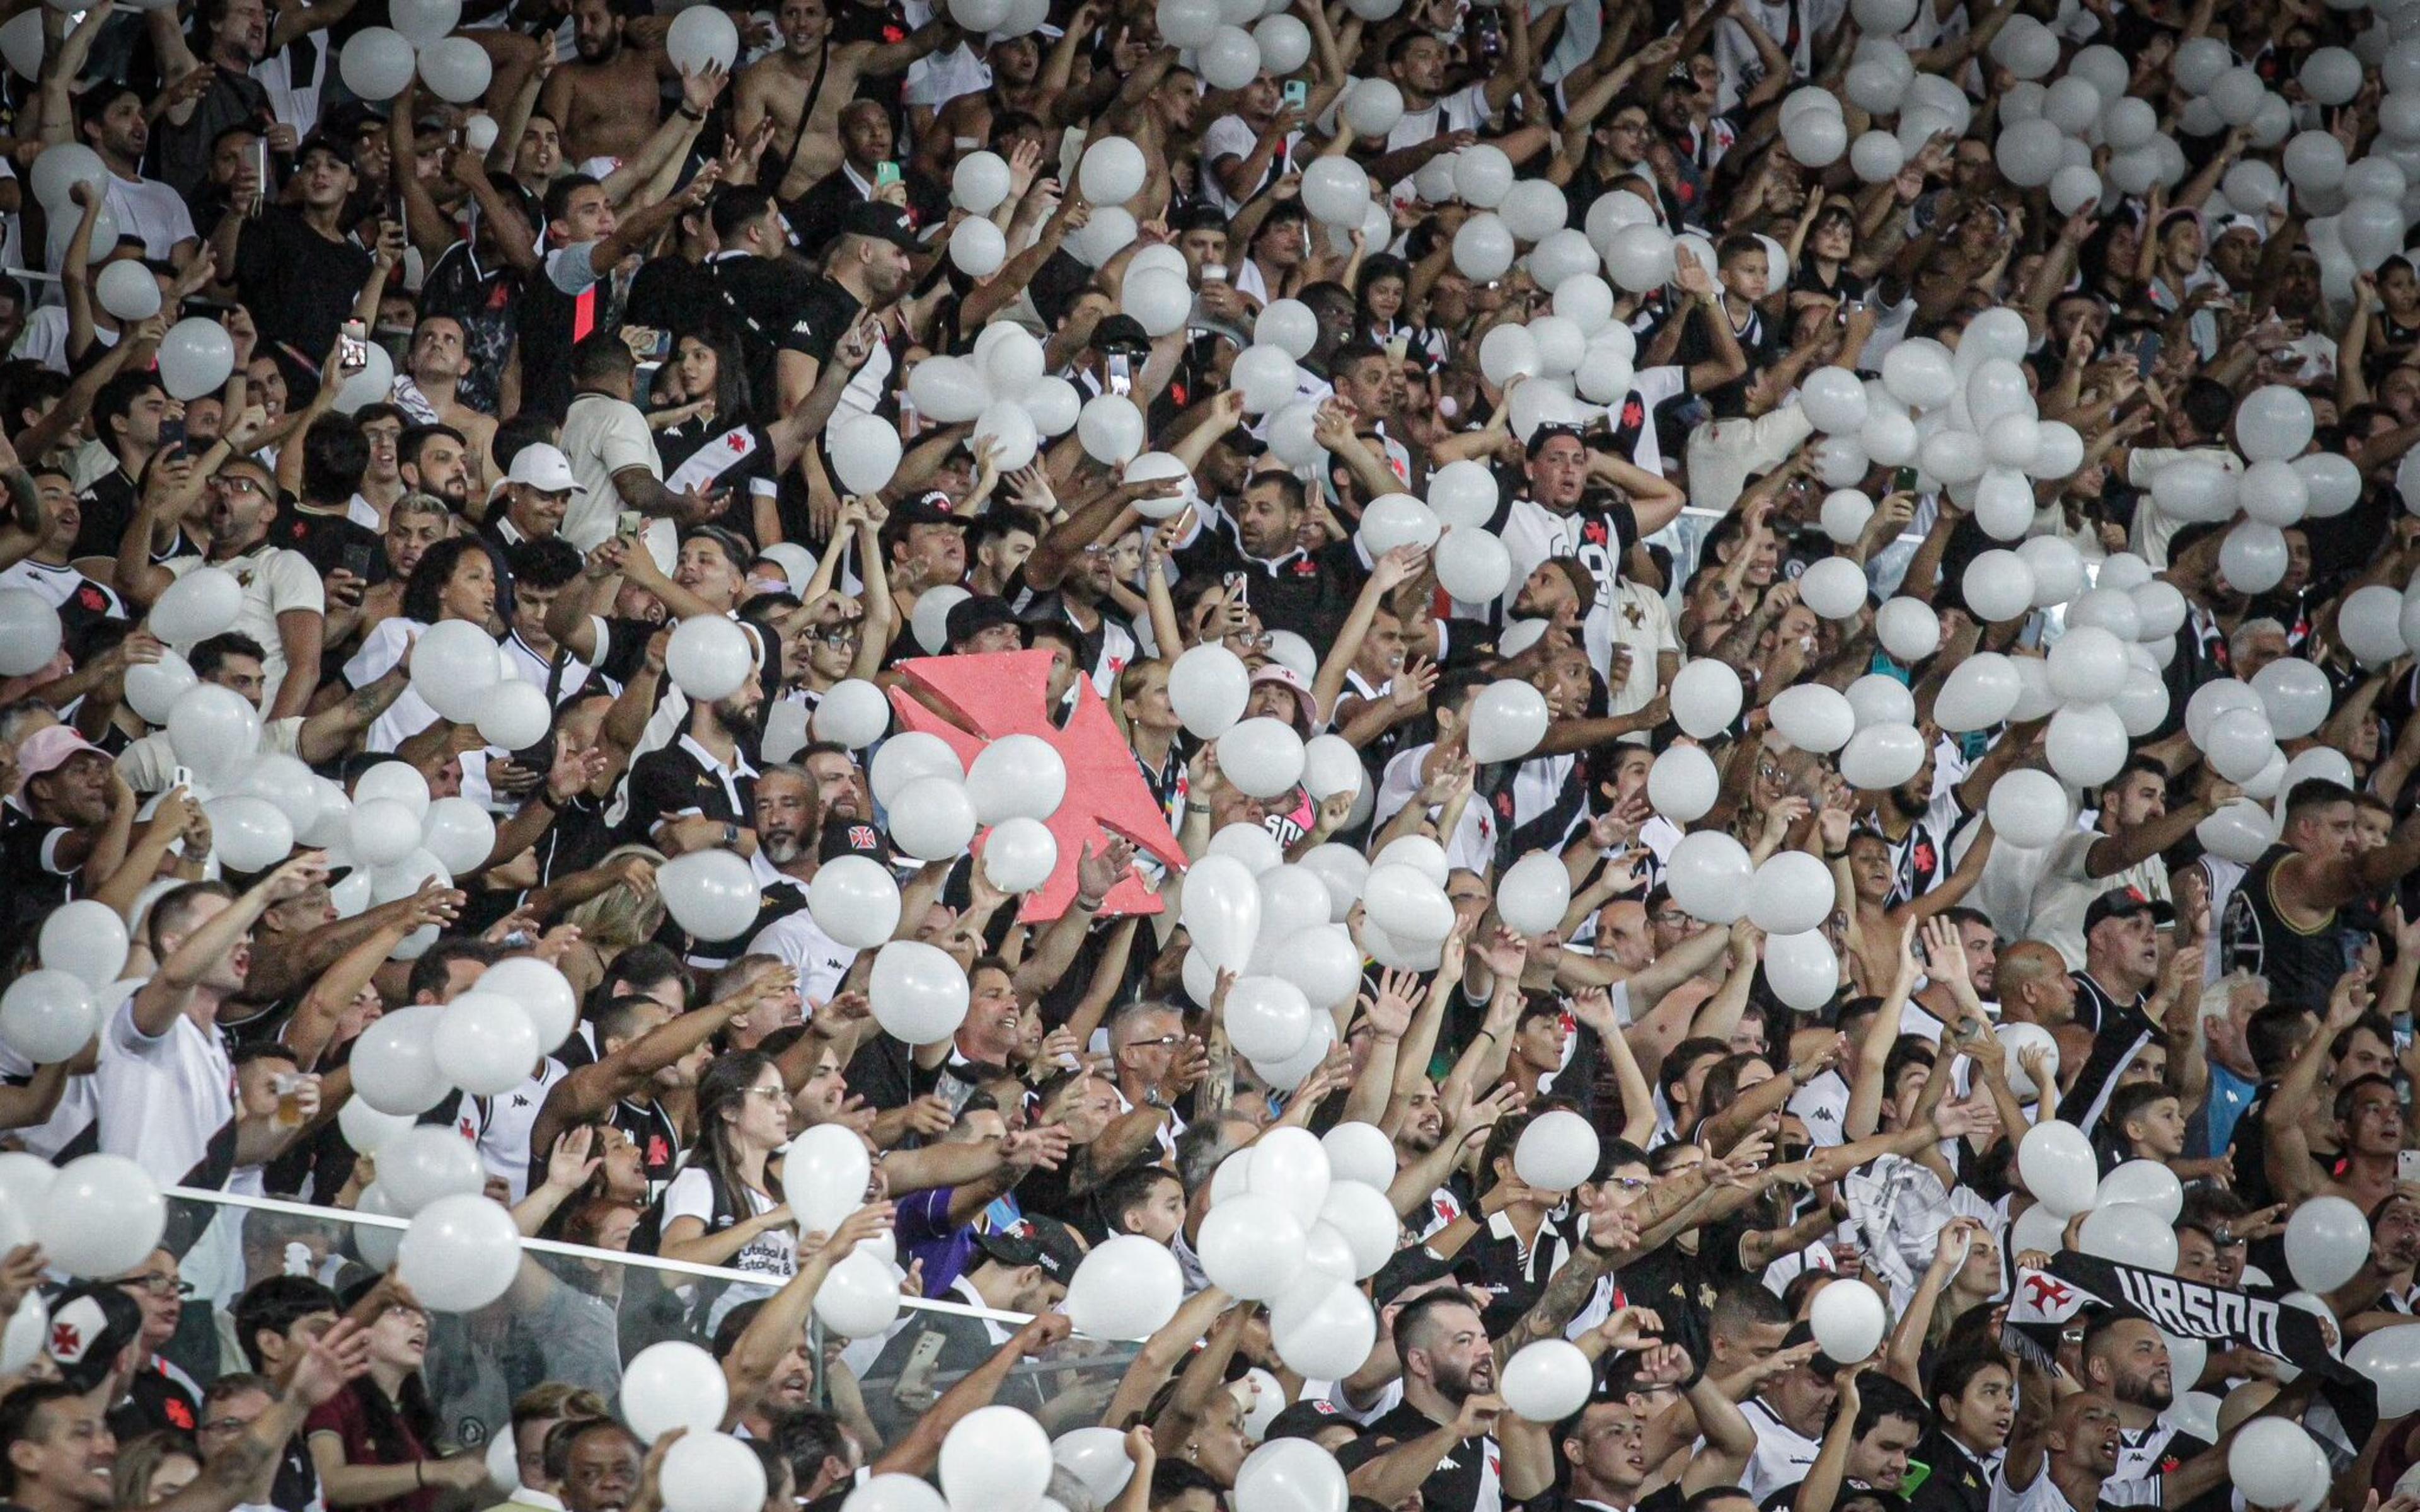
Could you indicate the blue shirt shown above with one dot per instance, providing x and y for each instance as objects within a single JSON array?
[{"x": 2229, "y": 1095}]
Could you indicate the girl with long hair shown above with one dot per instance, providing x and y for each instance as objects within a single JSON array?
[
  {"x": 725, "y": 1206},
  {"x": 457, "y": 579},
  {"x": 375, "y": 1442}
]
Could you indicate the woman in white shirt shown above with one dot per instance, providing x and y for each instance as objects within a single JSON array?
[
  {"x": 454, "y": 580},
  {"x": 725, "y": 1206}
]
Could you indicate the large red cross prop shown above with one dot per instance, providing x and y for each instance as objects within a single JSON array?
[{"x": 1006, "y": 693}]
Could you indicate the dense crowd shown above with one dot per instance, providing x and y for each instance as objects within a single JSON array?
[{"x": 1210, "y": 756}]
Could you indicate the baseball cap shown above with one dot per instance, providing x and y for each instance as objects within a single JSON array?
[
  {"x": 884, "y": 223},
  {"x": 48, "y": 749},
  {"x": 544, "y": 467},
  {"x": 1304, "y": 1419},
  {"x": 2125, "y": 902},
  {"x": 844, "y": 836},
  {"x": 1287, "y": 678},
  {"x": 1034, "y": 1239},
  {"x": 1121, "y": 333},
  {"x": 1538, "y": 437},
  {"x": 931, "y": 509},
  {"x": 90, "y": 1322},
  {"x": 1406, "y": 1269},
  {"x": 971, "y": 616}
]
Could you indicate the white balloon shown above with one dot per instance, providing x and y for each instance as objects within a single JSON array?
[
  {"x": 1848, "y": 1321},
  {"x": 2029, "y": 809},
  {"x": 100, "y": 1216},
  {"x": 1127, "y": 1288},
  {"x": 1812, "y": 718},
  {"x": 1709, "y": 874},
  {"x": 2059, "y": 1168}
]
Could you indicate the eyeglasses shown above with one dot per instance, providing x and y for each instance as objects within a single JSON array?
[
  {"x": 840, "y": 635},
  {"x": 238, "y": 485},
  {"x": 777, "y": 1094},
  {"x": 224, "y": 1425},
  {"x": 1632, "y": 1185},
  {"x": 158, "y": 1285},
  {"x": 1158, "y": 1042}
]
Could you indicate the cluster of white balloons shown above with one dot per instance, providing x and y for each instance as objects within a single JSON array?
[
  {"x": 378, "y": 61},
  {"x": 1882, "y": 79},
  {"x": 825, "y": 1175},
  {"x": 485, "y": 1042},
  {"x": 1000, "y": 386},
  {"x": 1276, "y": 924},
  {"x": 1295, "y": 1221},
  {"x": 2050, "y": 131}
]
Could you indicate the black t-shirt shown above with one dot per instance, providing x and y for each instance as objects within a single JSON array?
[
  {"x": 1679, "y": 1287},
  {"x": 759, "y": 300},
  {"x": 1468, "y": 1469},
  {"x": 299, "y": 286},
  {"x": 330, "y": 540},
  {"x": 107, "y": 509},
  {"x": 33, "y": 888},
  {"x": 1762, "y": 343},
  {"x": 671, "y": 294}
]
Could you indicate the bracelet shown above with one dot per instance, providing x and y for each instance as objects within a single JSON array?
[
  {"x": 1486, "y": 1034},
  {"x": 688, "y": 115},
  {"x": 1091, "y": 905},
  {"x": 1833, "y": 855}
]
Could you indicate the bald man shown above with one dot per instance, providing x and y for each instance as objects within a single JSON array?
[{"x": 2065, "y": 1459}]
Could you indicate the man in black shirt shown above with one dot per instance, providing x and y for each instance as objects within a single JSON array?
[
  {"x": 1441, "y": 1441},
  {"x": 125, "y": 417},
  {"x": 706, "y": 774},
  {"x": 867, "y": 269},
  {"x": 297, "y": 267},
  {"x": 865, "y": 140},
  {"x": 1975, "y": 1400},
  {"x": 580, "y": 288},
  {"x": 318, "y": 524},
  {"x": 750, "y": 286},
  {"x": 1288, "y": 588},
  {"x": 67, "y": 787}
]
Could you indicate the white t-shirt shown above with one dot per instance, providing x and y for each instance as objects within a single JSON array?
[
  {"x": 773, "y": 1254},
  {"x": 505, "y": 1134},
  {"x": 2043, "y": 1495},
  {"x": 274, "y": 581},
  {"x": 601, "y": 436},
  {"x": 148, "y": 209},
  {"x": 1463, "y": 111},
  {"x": 409, "y": 714},
  {"x": 820, "y": 961},
  {"x": 162, "y": 1099},
  {"x": 2065, "y": 891},
  {"x": 56, "y": 585},
  {"x": 1783, "y": 1455},
  {"x": 1232, "y": 136},
  {"x": 1473, "y": 846},
  {"x": 149, "y": 764}
]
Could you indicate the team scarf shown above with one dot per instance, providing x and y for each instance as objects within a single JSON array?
[{"x": 2045, "y": 1300}]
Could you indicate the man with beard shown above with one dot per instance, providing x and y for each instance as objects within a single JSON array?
[
  {"x": 805, "y": 85},
  {"x": 237, "y": 33},
  {"x": 1288, "y": 588},
  {"x": 285, "y": 603},
  {"x": 2126, "y": 1360},
  {"x": 867, "y": 269},
  {"x": 788, "y": 819},
  {"x": 607, "y": 98},
  {"x": 1974, "y": 1401},
  {"x": 1935, "y": 1008},
  {"x": 2065, "y": 1457},
  {"x": 698, "y": 793},
  {"x": 2135, "y": 825},
  {"x": 112, "y": 121},
  {"x": 1440, "y": 1443}
]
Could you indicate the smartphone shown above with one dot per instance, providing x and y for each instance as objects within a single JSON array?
[
  {"x": 1904, "y": 480},
  {"x": 1297, "y": 93},
  {"x": 660, "y": 349},
  {"x": 260, "y": 175},
  {"x": 629, "y": 523},
  {"x": 1486, "y": 32},
  {"x": 1121, "y": 373},
  {"x": 353, "y": 346},
  {"x": 2146, "y": 355},
  {"x": 172, "y": 434},
  {"x": 2406, "y": 1166},
  {"x": 884, "y": 175},
  {"x": 181, "y": 776},
  {"x": 1239, "y": 591},
  {"x": 357, "y": 560}
]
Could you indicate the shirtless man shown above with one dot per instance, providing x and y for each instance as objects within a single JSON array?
[
  {"x": 803, "y": 86},
  {"x": 608, "y": 101},
  {"x": 437, "y": 362}
]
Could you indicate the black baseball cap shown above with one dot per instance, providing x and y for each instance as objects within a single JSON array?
[
  {"x": 1034, "y": 1239},
  {"x": 1121, "y": 333},
  {"x": 931, "y": 509},
  {"x": 885, "y": 223},
  {"x": 844, "y": 836},
  {"x": 1305, "y": 1420},
  {"x": 2125, "y": 902},
  {"x": 1406, "y": 1269},
  {"x": 970, "y": 617},
  {"x": 1538, "y": 437}
]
